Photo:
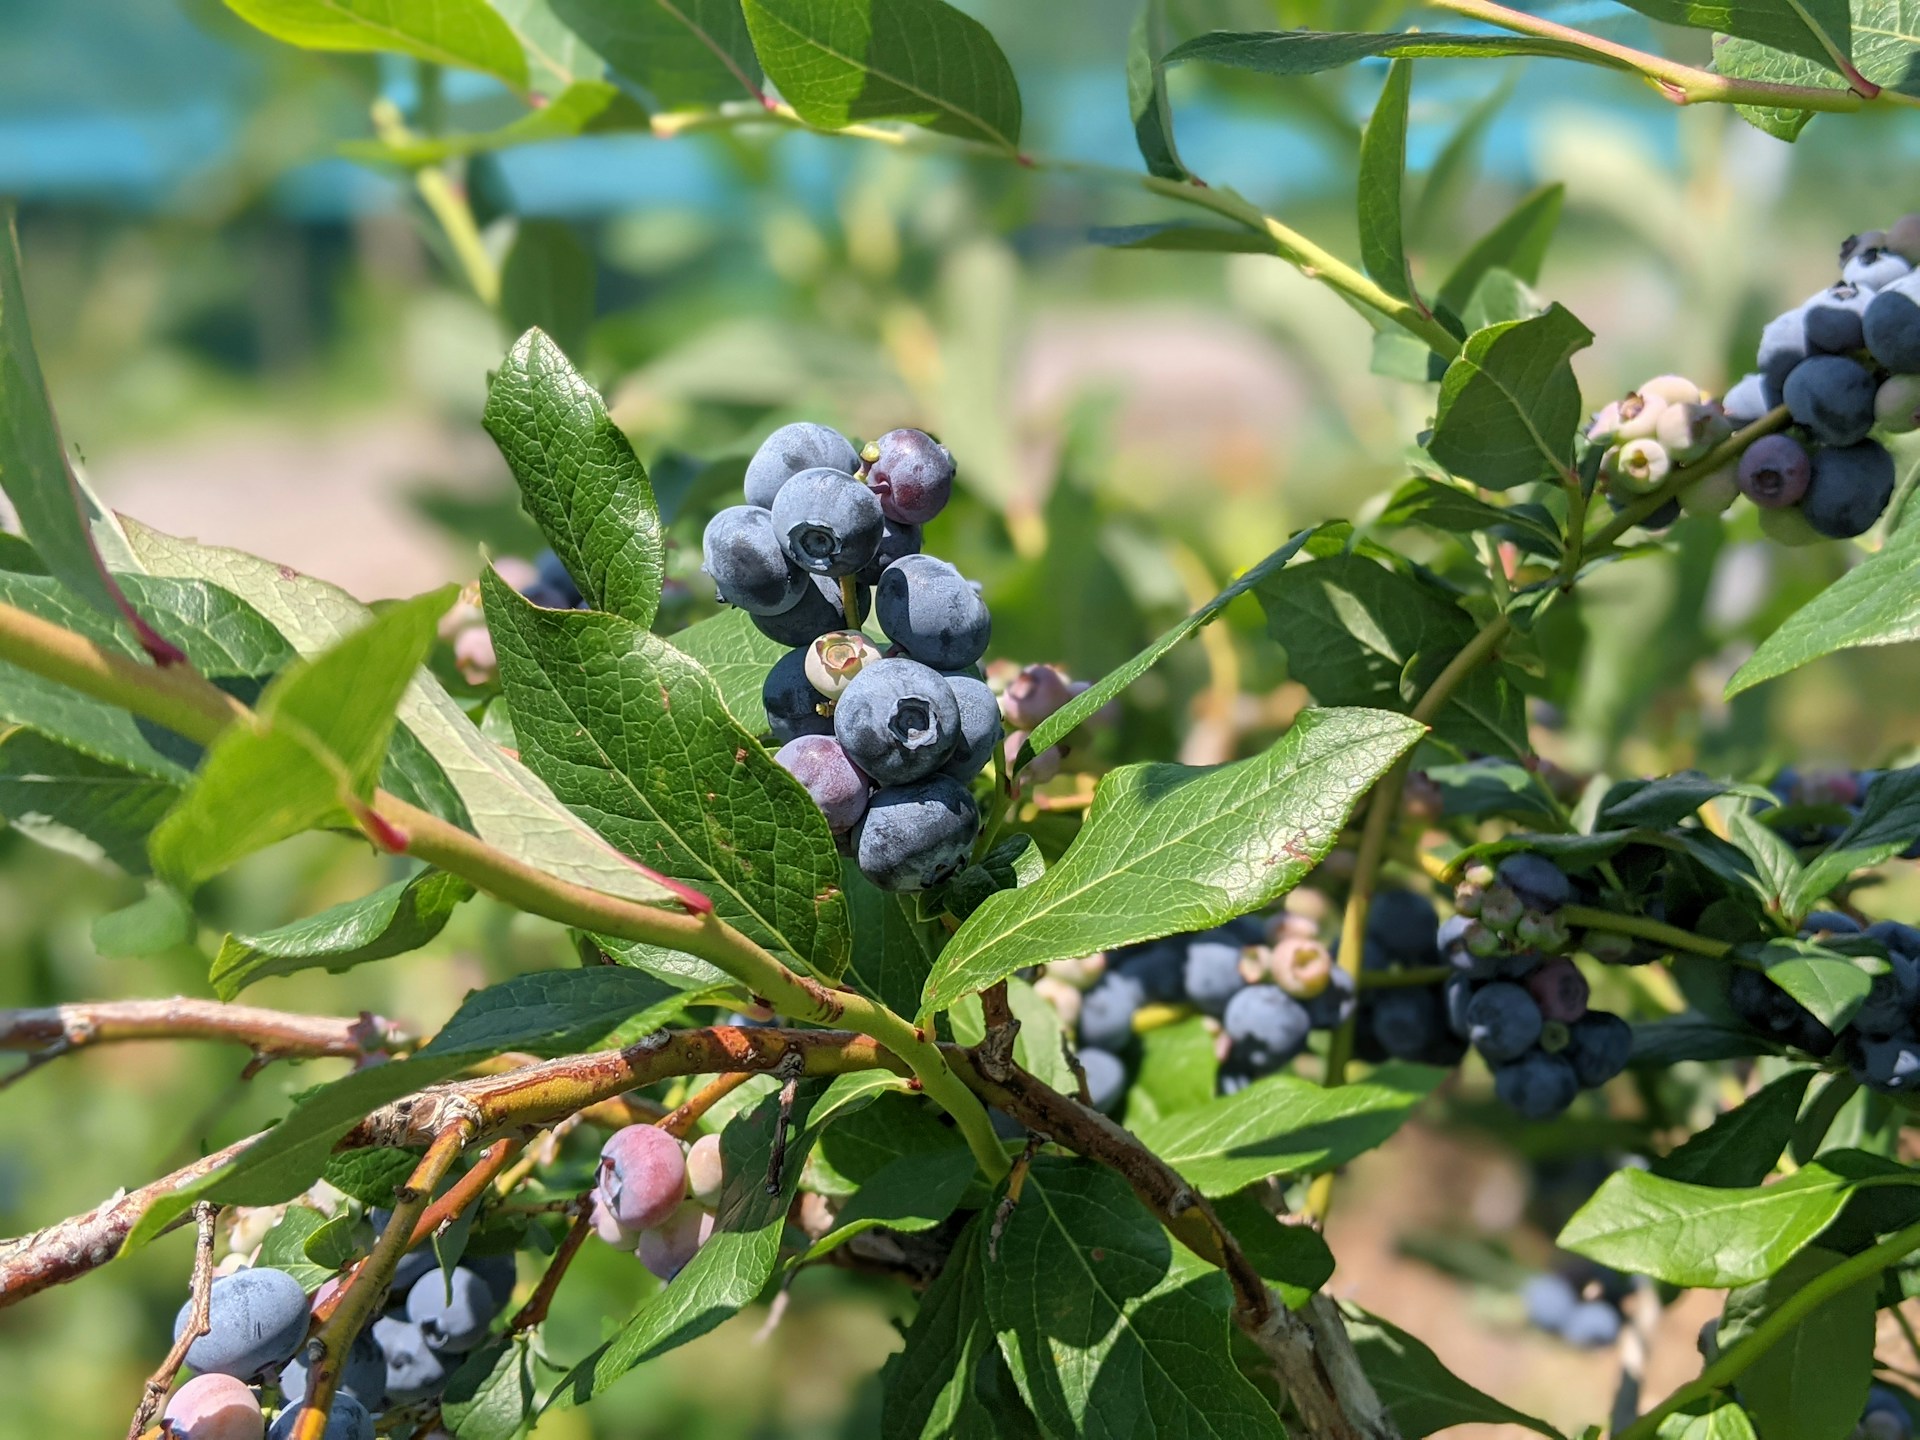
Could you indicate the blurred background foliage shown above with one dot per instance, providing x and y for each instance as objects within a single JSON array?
[{"x": 254, "y": 341}]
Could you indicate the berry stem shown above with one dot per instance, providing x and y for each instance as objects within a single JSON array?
[
  {"x": 448, "y": 205},
  {"x": 1727, "y": 451},
  {"x": 1587, "y": 917}
]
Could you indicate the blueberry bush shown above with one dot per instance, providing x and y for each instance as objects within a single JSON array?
[{"x": 882, "y": 962}]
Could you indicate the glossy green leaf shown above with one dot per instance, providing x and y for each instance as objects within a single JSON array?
[
  {"x": 1877, "y": 602},
  {"x": 391, "y": 921},
  {"x": 1474, "y": 789},
  {"x": 865, "y": 1140},
  {"x": 1456, "y": 510},
  {"x": 1013, "y": 863},
  {"x": 1813, "y": 1380},
  {"x": 686, "y": 54},
  {"x": 285, "y": 1247},
  {"x": 1666, "y": 800},
  {"x": 1077, "y": 711},
  {"x": 585, "y": 107},
  {"x": 466, "y": 33},
  {"x": 1817, "y": 30},
  {"x": 1518, "y": 244},
  {"x": 579, "y": 478},
  {"x": 1741, "y": 1147},
  {"x": 1420, "y": 1393},
  {"x": 838, "y": 62},
  {"x": 1831, "y": 985},
  {"x": 1307, "y": 52},
  {"x": 1887, "y": 825},
  {"x": 1745, "y": 60},
  {"x": 371, "y": 1175},
  {"x": 1283, "y": 1125},
  {"x": 1105, "y": 1328},
  {"x": 319, "y": 742},
  {"x": 1776, "y": 868},
  {"x": 1172, "y": 848},
  {"x": 737, "y": 656},
  {"x": 928, "y": 1386},
  {"x": 1382, "y": 181},
  {"x": 909, "y": 1194},
  {"x": 556, "y": 57},
  {"x": 1359, "y": 633},
  {"x": 1509, "y": 404},
  {"x": 1147, "y": 92},
  {"x": 490, "y": 1395},
  {"x": 1179, "y": 1070},
  {"x": 633, "y": 734},
  {"x": 70, "y": 801},
  {"x": 1294, "y": 1259}
]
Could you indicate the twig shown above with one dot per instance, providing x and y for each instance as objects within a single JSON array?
[
  {"x": 465, "y": 1191},
  {"x": 678, "y": 1121},
  {"x": 777, "y": 1155},
  {"x": 535, "y": 1310},
  {"x": 198, "y": 1324},
  {"x": 1906, "y": 1330},
  {"x": 1588, "y": 917},
  {"x": 1016, "y": 1182},
  {"x": 994, "y": 1053},
  {"x": 1636, "y": 1346}
]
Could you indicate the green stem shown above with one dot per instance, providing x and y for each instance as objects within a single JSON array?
[
  {"x": 1727, "y": 451},
  {"x": 1586, "y": 917},
  {"x": 447, "y": 203},
  {"x": 1737, "y": 1360}
]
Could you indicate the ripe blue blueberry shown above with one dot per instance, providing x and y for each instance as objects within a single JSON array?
[
  {"x": 1335, "y": 1005},
  {"x": 749, "y": 569},
  {"x": 980, "y": 729},
  {"x": 1833, "y": 397},
  {"x": 1828, "y": 922},
  {"x": 1775, "y": 1013},
  {"x": 1106, "y": 1015},
  {"x": 258, "y": 1318},
  {"x": 896, "y": 542},
  {"x": 912, "y": 473},
  {"x": 817, "y": 612},
  {"x": 553, "y": 587},
  {"x": 1408, "y": 1023},
  {"x": 823, "y": 770},
  {"x": 1540, "y": 884},
  {"x": 791, "y": 449},
  {"x": 1849, "y": 489},
  {"x": 1159, "y": 966},
  {"x": 1537, "y": 1086},
  {"x": 415, "y": 1371},
  {"x": 1600, "y": 1044},
  {"x": 1888, "y": 1008},
  {"x": 828, "y": 522},
  {"x": 1550, "y": 1300},
  {"x": 1746, "y": 401},
  {"x": 1405, "y": 923},
  {"x": 1899, "y": 939},
  {"x": 791, "y": 702},
  {"x": 364, "y": 1376},
  {"x": 917, "y": 836},
  {"x": 347, "y": 1419},
  {"x": 1890, "y": 1064},
  {"x": 929, "y": 610},
  {"x": 1267, "y": 1026},
  {"x": 1774, "y": 471},
  {"x": 1874, "y": 269},
  {"x": 1211, "y": 973},
  {"x": 1503, "y": 1021},
  {"x": 898, "y": 721},
  {"x": 1106, "y": 1078},
  {"x": 1892, "y": 326},
  {"x": 1783, "y": 345},
  {"x": 1834, "y": 318},
  {"x": 497, "y": 1272},
  {"x": 1592, "y": 1324},
  {"x": 452, "y": 1308}
]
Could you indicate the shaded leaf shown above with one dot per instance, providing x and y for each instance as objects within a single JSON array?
[
  {"x": 1294, "y": 1259},
  {"x": 71, "y": 801},
  {"x": 1741, "y": 1147},
  {"x": 1509, "y": 404},
  {"x": 1147, "y": 92},
  {"x": 584, "y": 107},
  {"x": 1421, "y": 1394},
  {"x": 1887, "y": 825},
  {"x": 1831, "y": 985},
  {"x": 1813, "y": 1380},
  {"x": 1451, "y": 508},
  {"x": 1174, "y": 235},
  {"x": 928, "y": 1387},
  {"x": 1306, "y": 52},
  {"x": 1382, "y": 179}
]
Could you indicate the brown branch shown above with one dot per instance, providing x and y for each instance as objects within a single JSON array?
[
  {"x": 464, "y": 1192},
  {"x": 994, "y": 1054},
  {"x": 198, "y": 1324},
  {"x": 535, "y": 1310},
  {"x": 686, "y": 1115}
]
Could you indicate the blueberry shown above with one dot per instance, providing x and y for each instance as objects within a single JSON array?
[
  {"x": 1211, "y": 973},
  {"x": 1034, "y": 694},
  {"x": 1635, "y": 416},
  {"x": 1599, "y": 1047},
  {"x": 917, "y": 836},
  {"x": 347, "y": 1419},
  {"x": 1783, "y": 345},
  {"x": 749, "y": 569},
  {"x": 453, "y": 1308},
  {"x": 364, "y": 1376},
  {"x": 912, "y": 473},
  {"x": 930, "y": 611},
  {"x": 1890, "y": 1064},
  {"x": 1896, "y": 404},
  {"x": 706, "y": 1169},
  {"x": 1885, "y": 1416},
  {"x": 1537, "y": 1086},
  {"x": 1888, "y": 1007},
  {"x": 823, "y": 770},
  {"x": 1874, "y": 269},
  {"x": 1834, "y": 319},
  {"x": 643, "y": 1175},
  {"x": 1267, "y": 1026},
  {"x": 791, "y": 449},
  {"x": 415, "y": 1371},
  {"x": 792, "y": 704},
  {"x": 1833, "y": 397},
  {"x": 896, "y": 542},
  {"x": 1299, "y": 964},
  {"x": 1559, "y": 989},
  {"x": 607, "y": 1226},
  {"x": 1774, "y": 1013},
  {"x": 1592, "y": 1324},
  {"x": 898, "y": 721},
  {"x": 1539, "y": 882},
  {"x": 1408, "y": 1022},
  {"x": 553, "y": 587},
  {"x": 1774, "y": 471},
  {"x": 1849, "y": 489},
  {"x": 828, "y": 522},
  {"x": 1687, "y": 432},
  {"x": 1636, "y": 468},
  {"x": 1503, "y": 1022},
  {"x": 1898, "y": 938},
  {"x": 1746, "y": 401},
  {"x": 1827, "y": 922},
  {"x": 1106, "y": 1078},
  {"x": 1892, "y": 326},
  {"x": 666, "y": 1249},
  {"x": 1106, "y": 1015},
  {"x": 1333, "y": 1006},
  {"x": 980, "y": 729},
  {"x": 1713, "y": 492},
  {"x": 1405, "y": 923},
  {"x": 818, "y": 611},
  {"x": 258, "y": 1318},
  {"x": 215, "y": 1407},
  {"x": 1550, "y": 1301},
  {"x": 1161, "y": 969}
]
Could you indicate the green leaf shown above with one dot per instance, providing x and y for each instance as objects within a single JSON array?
[
  {"x": 1174, "y": 235},
  {"x": 1813, "y": 1380},
  {"x": 66, "y": 799},
  {"x": 734, "y": 652},
  {"x": 1147, "y": 92},
  {"x": 579, "y": 479},
  {"x": 1887, "y": 824},
  {"x": 1517, "y": 244},
  {"x": 391, "y": 921},
  {"x": 1741, "y": 1147},
  {"x": 371, "y": 1175},
  {"x": 911, "y": 1193},
  {"x": 1666, "y": 800},
  {"x": 1456, "y": 510},
  {"x": 1710, "y": 1419},
  {"x": 1420, "y": 1393},
  {"x": 1831, "y": 985},
  {"x": 1383, "y": 174},
  {"x": 157, "y": 922},
  {"x": 1660, "y": 1044},
  {"x": 552, "y": 1012},
  {"x": 490, "y": 1397},
  {"x": 547, "y": 283},
  {"x": 1070, "y": 716},
  {"x": 1509, "y": 404},
  {"x": 1776, "y": 867},
  {"x": 888, "y": 1125},
  {"x": 1283, "y": 1125},
  {"x": 1014, "y": 862},
  {"x": 1307, "y": 52},
  {"x": 1817, "y": 30},
  {"x": 465, "y": 33},
  {"x": 1706, "y": 1235},
  {"x": 558, "y": 57},
  {"x": 629, "y": 731},
  {"x": 584, "y": 107},
  {"x": 1179, "y": 1071},
  {"x": 1171, "y": 848},
  {"x": 928, "y": 1386},
  {"x": 1877, "y": 602},
  {"x": 1744, "y": 60},
  {"x": 285, "y": 1247},
  {"x": 1037, "y": 1047},
  {"x": 1359, "y": 633},
  {"x": 1294, "y": 1259},
  {"x": 686, "y": 54},
  {"x": 730, "y": 1269},
  {"x": 319, "y": 742},
  {"x": 842, "y": 61},
  {"x": 1105, "y": 1329},
  {"x": 1475, "y": 789},
  {"x": 332, "y": 1245}
]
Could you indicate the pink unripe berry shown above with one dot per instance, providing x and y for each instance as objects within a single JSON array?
[
  {"x": 643, "y": 1175},
  {"x": 1034, "y": 694},
  {"x": 608, "y": 1227},
  {"x": 665, "y": 1249},
  {"x": 1559, "y": 989},
  {"x": 215, "y": 1407},
  {"x": 706, "y": 1172},
  {"x": 1301, "y": 967}
]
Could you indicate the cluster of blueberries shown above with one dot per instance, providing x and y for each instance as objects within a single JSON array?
[
  {"x": 1580, "y": 1304},
  {"x": 1886, "y": 1416},
  {"x": 1845, "y": 362},
  {"x": 1837, "y": 790},
  {"x": 259, "y": 1319},
  {"x": 887, "y": 744},
  {"x": 655, "y": 1195}
]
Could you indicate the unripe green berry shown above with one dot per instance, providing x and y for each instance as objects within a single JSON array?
[
  {"x": 1787, "y": 526},
  {"x": 1555, "y": 1037},
  {"x": 1542, "y": 932},
  {"x": 1483, "y": 943},
  {"x": 1713, "y": 492},
  {"x": 1607, "y": 946},
  {"x": 1467, "y": 897},
  {"x": 1501, "y": 908},
  {"x": 1896, "y": 404},
  {"x": 1639, "y": 467},
  {"x": 1673, "y": 389}
]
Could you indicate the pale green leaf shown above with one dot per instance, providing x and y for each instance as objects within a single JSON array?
[{"x": 466, "y": 33}]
